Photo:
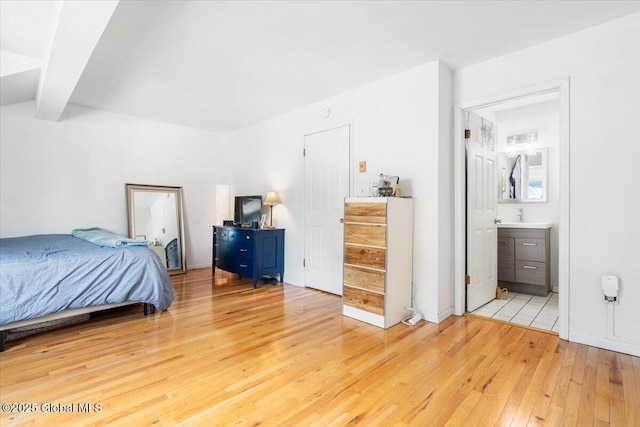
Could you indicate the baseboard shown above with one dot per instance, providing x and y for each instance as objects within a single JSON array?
[
  {"x": 444, "y": 314},
  {"x": 198, "y": 266},
  {"x": 607, "y": 344},
  {"x": 437, "y": 318}
]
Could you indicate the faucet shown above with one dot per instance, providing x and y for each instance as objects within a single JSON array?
[{"x": 519, "y": 215}]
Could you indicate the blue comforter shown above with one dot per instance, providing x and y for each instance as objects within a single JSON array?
[
  {"x": 44, "y": 274},
  {"x": 101, "y": 237}
]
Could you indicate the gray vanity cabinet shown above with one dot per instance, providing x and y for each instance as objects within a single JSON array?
[{"x": 523, "y": 260}]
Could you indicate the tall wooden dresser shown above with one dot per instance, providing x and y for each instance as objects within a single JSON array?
[{"x": 378, "y": 259}]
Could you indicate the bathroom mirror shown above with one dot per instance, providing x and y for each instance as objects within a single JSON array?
[
  {"x": 155, "y": 215},
  {"x": 523, "y": 176}
]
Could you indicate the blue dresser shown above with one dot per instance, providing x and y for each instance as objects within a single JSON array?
[{"x": 249, "y": 252}]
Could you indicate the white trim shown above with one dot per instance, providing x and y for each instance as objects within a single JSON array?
[
  {"x": 459, "y": 155},
  {"x": 363, "y": 316},
  {"x": 198, "y": 266},
  {"x": 607, "y": 344}
]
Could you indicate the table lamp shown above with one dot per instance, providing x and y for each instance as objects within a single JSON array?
[{"x": 271, "y": 200}]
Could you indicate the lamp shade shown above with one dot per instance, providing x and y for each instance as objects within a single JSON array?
[{"x": 272, "y": 199}]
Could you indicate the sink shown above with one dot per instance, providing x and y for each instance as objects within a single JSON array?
[{"x": 525, "y": 225}]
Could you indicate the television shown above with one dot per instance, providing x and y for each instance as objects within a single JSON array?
[{"x": 247, "y": 210}]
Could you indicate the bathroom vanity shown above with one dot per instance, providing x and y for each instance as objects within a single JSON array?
[{"x": 523, "y": 257}]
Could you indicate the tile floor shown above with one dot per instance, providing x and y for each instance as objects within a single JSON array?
[{"x": 522, "y": 309}]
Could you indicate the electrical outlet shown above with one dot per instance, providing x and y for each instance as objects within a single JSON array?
[
  {"x": 415, "y": 319},
  {"x": 363, "y": 166}
]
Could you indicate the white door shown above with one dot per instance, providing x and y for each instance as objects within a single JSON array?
[
  {"x": 482, "y": 191},
  {"x": 326, "y": 185}
]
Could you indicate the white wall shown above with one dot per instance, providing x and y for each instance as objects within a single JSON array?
[
  {"x": 603, "y": 65},
  {"x": 57, "y": 176},
  {"x": 397, "y": 129}
]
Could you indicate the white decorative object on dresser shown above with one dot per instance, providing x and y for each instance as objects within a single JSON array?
[{"x": 378, "y": 259}]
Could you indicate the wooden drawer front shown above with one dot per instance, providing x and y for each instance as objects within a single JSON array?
[
  {"x": 530, "y": 249},
  {"x": 366, "y": 279},
  {"x": 531, "y": 272},
  {"x": 366, "y": 212},
  {"x": 372, "y": 235},
  {"x": 363, "y": 300},
  {"x": 364, "y": 256}
]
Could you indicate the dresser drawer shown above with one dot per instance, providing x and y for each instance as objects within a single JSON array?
[
  {"x": 238, "y": 265},
  {"x": 372, "y": 235},
  {"x": 366, "y": 212},
  {"x": 367, "y": 279},
  {"x": 364, "y": 256},
  {"x": 531, "y": 272},
  {"x": 364, "y": 300},
  {"x": 240, "y": 235},
  {"x": 239, "y": 242},
  {"x": 530, "y": 249}
]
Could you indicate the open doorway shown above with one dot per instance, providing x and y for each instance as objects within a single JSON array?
[{"x": 512, "y": 208}]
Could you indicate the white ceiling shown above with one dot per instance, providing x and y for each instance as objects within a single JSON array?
[{"x": 222, "y": 65}]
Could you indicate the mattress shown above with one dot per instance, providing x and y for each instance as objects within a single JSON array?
[{"x": 45, "y": 274}]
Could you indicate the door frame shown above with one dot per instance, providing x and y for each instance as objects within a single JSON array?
[
  {"x": 459, "y": 171},
  {"x": 313, "y": 131}
]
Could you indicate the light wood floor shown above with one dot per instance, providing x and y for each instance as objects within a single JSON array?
[{"x": 282, "y": 355}]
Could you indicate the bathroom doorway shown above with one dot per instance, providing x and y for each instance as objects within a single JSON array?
[{"x": 524, "y": 179}]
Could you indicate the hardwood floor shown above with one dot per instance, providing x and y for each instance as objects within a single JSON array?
[{"x": 281, "y": 355}]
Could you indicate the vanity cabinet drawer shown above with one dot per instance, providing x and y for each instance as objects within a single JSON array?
[
  {"x": 364, "y": 300},
  {"x": 506, "y": 251},
  {"x": 367, "y": 279},
  {"x": 523, "y": 260},
  {"x": 365, "y": 256},
  {"x": 530, "y": 249},
  {"x": 506, "y": 248},
  {"x": 371, "y": 235},
  {"x": 531, "y": 272},
  {"x": 366, "y": 212}
]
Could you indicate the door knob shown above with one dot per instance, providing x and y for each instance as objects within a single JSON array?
[{"x": 341, "y": 220}]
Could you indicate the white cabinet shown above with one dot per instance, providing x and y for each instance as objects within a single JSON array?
[{"x": 378, "y": 259}]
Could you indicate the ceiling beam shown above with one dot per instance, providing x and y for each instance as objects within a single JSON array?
[{"x": 75, "y": 31}]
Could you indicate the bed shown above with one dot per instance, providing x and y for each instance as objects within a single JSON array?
[{"x": 51, "y": 277}]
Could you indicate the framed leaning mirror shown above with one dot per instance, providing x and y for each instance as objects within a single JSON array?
[{"x": 155, "y": 215}]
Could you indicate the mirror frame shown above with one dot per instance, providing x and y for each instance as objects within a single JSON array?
[
  {"x": 545, "y": 175},
  {"x": 131, "y": 189}
]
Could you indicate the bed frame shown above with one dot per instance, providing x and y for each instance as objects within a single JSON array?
[{"x": 23, "y": 328}]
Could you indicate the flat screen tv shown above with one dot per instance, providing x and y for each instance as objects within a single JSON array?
[{"x": 247, "y": 209}]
